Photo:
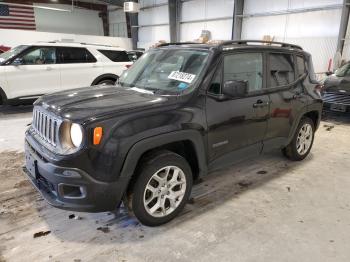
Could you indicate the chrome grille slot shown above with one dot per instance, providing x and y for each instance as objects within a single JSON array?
[
  {"x": 46, "y": 126},
  {"x": 336, "y": 98}
]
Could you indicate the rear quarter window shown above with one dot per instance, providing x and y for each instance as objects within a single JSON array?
[
  {"x": 115, "y": 56},
  {"x": 281, "y": 69},
  {"x": 72, "y": 55}
]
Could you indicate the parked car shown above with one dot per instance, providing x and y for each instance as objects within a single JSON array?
[
  {"x": 4, "y": 49},
  {"x": 29, "y": 71},
  {"x": 135, "y": 54},
  {"x": 180, "y": 112},
  {"x": 336, "y": 90}
]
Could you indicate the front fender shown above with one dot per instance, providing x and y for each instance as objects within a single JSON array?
[{"x": 139, "y": 148}]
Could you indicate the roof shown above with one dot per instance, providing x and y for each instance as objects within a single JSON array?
[
  {"x": 229, "y": 45},
  {"x": 74, "y": 44}
]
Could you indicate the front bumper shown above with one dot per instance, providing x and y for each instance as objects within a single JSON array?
[
  {"x": 336, "y": 102},
  {"x": 71, "y": 188}
]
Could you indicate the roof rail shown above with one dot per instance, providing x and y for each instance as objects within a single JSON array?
[
  {"x": 177, "y": 43},
  {"x": 246, "y": 42},
  {"x": 72, "y": 42}
]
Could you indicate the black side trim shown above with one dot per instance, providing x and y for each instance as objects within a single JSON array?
[
  {"x": 142, "y": 146},
  {"x": 3, "y": 97},
  {"x": 103, "y": 77}
]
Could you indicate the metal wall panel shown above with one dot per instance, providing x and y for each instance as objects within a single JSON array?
[
  {"x": 153, "y": 23},
  {"x": 220, "y": 11},
  {"x": 315, "y": 31}
]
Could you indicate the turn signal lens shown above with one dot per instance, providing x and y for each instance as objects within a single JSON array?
[{"x": 97, "y": 135}]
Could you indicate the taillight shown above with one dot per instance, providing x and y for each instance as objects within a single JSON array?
[
  {"x": 319, "y": 88},
  {"x": 127, "y": 66}
]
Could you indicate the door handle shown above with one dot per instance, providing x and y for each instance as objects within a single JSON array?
[
  {"x": 49, "y": 68},
  {"x": 261, "y": 103}
]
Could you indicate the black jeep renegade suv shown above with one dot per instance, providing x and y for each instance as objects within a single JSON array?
[{"x": 180, "y": 112}]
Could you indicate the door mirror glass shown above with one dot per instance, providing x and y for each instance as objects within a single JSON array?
[
  {"x": 18, "y": 61},
  {"x": 235, "y": 88}
]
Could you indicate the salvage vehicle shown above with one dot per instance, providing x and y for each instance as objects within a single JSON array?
[
  {"x": 29, "y": 71},
  {"x": 180, "y": 112},
  {"x": 336, "y": 90}
]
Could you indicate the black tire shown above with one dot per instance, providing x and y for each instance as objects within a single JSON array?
[
  {"x": 291, "y": 151},
  {"x": 108, "y": 82},
  {"x": 145, "y": 172}
]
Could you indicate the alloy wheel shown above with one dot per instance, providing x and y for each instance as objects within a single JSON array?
[
  {"x": 164, "y": 191},
  {"x": 304, "y": 139}
]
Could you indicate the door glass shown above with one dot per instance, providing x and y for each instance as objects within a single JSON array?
[
  {"x": 245, "y": 67},
  {"x": 40, "y": 56},
  {"x": 281, "y": 70},
  {"x": 301, "y": 65},
  {"x": 72, "y": 55}
]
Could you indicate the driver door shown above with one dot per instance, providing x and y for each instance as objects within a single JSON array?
[
  {"x": 34, "y": 73},
  {"x": 237, "y": 125}
]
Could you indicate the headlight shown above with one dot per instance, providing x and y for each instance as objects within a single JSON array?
[{"x": 76, "y": 134}]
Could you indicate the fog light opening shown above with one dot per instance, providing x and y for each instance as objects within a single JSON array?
[{"x": 71, "y": 191}]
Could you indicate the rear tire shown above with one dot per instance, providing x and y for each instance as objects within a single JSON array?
[
  {"x": 302, "y": 141},
  {"x": 163, "y": 186}
]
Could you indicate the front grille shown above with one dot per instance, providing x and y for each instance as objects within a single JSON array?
[
  {"x": 336, "y": 98},
  {"x": 46, "y": 126}
]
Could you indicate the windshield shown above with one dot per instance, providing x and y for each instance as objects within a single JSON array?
[
  {"x": 166, "y": 70},
  {"x": 340, "y": 72},
  {"x": 11, "y": 53}
]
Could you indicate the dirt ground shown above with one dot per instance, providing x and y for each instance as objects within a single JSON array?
[{"x": 266, "y": 209}]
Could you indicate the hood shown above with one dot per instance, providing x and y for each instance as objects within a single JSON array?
[
  {"x": 89, "y": 103},
  {"x": 337, "y": 84}
]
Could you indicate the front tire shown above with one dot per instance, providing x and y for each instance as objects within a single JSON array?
[
  {"x": 302, "y": 141},
  {"x": 162, "y": 188}
]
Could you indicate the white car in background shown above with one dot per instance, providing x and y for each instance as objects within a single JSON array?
[{"x": 29, "y": 71}]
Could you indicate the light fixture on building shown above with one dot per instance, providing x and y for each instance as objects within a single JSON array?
[{"x": 131, "y": 7}]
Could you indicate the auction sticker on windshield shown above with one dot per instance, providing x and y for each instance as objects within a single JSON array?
[{"x": 182, "y": 76}]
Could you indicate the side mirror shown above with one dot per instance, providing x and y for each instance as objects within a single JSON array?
[
  {"x": 18, "y": 61},
  {"x": 328, "y": 73},
  {"x": 235, "y": 88}
]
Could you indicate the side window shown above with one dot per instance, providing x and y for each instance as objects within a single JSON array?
[
  {"x": 281, "y": 70},
  {"x": 40, "y": 56},
  {"x": 73, "y": 55},
  {"x": 301, "y": 65},
  {"x": 246, "y": 67},
  {"x": 116, "y": 56},
  {"x": 215, "y": 86}
]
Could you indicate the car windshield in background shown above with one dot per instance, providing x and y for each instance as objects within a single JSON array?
[
  {"x": 340, "y": 72},
  {"x": 11, "y": 53},
  {"x": 166, "y": 70}
]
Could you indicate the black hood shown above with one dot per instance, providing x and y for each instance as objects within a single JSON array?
[
  {"x": 84, "y": 104},
  {"x": 337, "y": 84}
]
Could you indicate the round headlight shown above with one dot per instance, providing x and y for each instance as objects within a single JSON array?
[{"x": 76, "y": 134}]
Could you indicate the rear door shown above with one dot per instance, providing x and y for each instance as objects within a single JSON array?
[
  {"x": 33, "y": 73},
  {"x": 79, "y": 68},
  {"x": 285, "y": 86},
  {"x": 237, "y": 123}
]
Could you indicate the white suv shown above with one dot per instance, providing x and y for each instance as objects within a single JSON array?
[{"x": 28, "y": 71}]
